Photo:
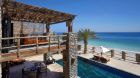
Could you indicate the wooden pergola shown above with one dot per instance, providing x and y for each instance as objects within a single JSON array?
[
  {"x": 15, "y": 11},
  {"x": 23, "y": 12}
]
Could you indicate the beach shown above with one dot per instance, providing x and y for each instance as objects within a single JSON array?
[{"x": 129, "y": 41}]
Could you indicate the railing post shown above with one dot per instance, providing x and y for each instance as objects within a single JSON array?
[
  {"x": 79, "y": 47},
  {"x": 112, "y": 53},
  {"x": 18, "y": 47},
  {"x": 138, "y": 58},
  {"x": 93, "y": 48},
  {"x": 49, "y": 49},
  {"x": 58, "y": 44},
  {"x": 123, "y": 55},
  {"x": 45, "y": 55},
  {"x": 36, "y": 44}
]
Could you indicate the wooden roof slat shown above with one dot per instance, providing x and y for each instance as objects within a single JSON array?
[{"x": 19, "y": 11}]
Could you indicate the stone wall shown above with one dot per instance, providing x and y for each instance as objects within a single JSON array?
[
  {"x": 70, "y": 57},
  {"x": 0, "y": 34}
]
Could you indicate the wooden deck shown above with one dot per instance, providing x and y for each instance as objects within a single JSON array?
[{"x": 26, "y": 52}]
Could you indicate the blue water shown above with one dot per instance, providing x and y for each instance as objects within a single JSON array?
[
  {"x": 118, "y": 40},
  {"x": 86, "y": 70}
]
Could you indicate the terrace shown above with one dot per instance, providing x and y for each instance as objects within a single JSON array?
[{"x": 21, "y": 46}]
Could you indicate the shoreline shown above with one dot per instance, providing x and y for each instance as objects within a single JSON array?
[{"x": 116, "y": 49}]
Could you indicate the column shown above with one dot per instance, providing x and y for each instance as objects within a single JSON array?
[
  {"x": 47, "y": 32},
  {"x": 69, "y": 25},
  {"x": 0, "y": 36},
  {"x": 70, "y": 57},
  {"x": 47, "y": 29}
]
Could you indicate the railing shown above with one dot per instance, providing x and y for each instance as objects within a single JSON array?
[
  {"x": 130, "y": 56},
  {"x": 15, "y": 48},
  {"x": 126, "y": 55}
]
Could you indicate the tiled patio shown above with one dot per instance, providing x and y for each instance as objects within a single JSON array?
[{"x": 53, "y": 70}]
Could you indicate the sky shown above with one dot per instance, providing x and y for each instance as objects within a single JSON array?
[{"x": 97, "y": 15}]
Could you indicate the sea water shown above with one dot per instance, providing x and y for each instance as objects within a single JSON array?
[{"x": 117, "y": 40}]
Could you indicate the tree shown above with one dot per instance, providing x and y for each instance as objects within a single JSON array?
[{"x": 85, "y": 34}]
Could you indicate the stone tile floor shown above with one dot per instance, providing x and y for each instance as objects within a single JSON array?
[{"x": 54, "y": 70}]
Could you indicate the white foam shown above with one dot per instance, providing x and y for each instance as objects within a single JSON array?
[{"x": 116, "y": 49}]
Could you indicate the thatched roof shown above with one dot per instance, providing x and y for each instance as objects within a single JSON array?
[{"x": 23, "y": 12}]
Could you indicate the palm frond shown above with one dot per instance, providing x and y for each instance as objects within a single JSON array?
[{"x": 84, "y": 34}]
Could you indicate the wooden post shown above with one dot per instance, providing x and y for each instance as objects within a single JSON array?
[
  {"x": 112, "y": 53},
  {"x": 70, "y": 57},
  {"x": 18, "y": 47},
  {"x": 123, "y": 55},
  {"x": 58, "y": 44},
  {"x": 49, "y": 44},
  {"x": 47, "y": 29},
  {"x": 69, "y": 25},
  {"x": 138, "y": 58},
  {"x": 47, "y": 32},
  {"x": 36, "y": 44},
  {"x": 93, "y": 48},
  {"x": 79, "y": 47}
]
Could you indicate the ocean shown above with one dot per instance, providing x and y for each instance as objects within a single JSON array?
[{"x": 118, "y": 40}]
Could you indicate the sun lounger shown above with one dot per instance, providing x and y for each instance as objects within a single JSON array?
[
  {"x": 50, "y": 60},
  {"x": 102, "y": 59},
  {"x": 43, "y": 67},
  {"x": 96, "y": 57}
]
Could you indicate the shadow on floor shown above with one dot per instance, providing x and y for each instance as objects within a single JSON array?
[{"x": 16, "y": 71}]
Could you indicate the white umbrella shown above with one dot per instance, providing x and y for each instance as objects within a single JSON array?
[{"x": 101, "y": 49}]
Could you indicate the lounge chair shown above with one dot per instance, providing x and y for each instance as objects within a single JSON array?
[
  {"x": 104, "y": 59},
  {"x": 101, "y": 59},
  {"x": 50, "y": 60},
  {"x": 96, "y": 57},
  {"x": 43, "y": 67}
]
